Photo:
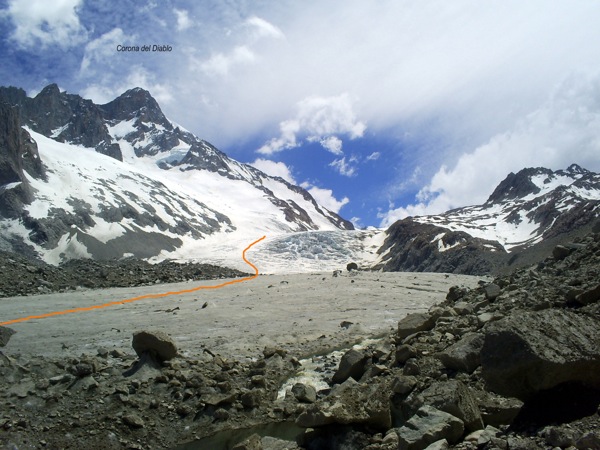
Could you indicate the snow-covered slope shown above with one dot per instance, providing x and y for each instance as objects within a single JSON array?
[{"x": 122, "y": 180}]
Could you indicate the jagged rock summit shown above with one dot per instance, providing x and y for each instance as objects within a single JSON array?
[{"x": 162, "y": 192}]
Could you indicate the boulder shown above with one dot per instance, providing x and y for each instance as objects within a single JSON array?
[
  {"x": 413, "y": 323},
  {"x": 251, "y": 443},
  {"x": 589, "y": 296},
  {"x": 5, "y": 334},
  {"x": 454, "y": 398},
  {"x": 304, "y": 393},
  {"x": 464, "y": 354},
  {"x": 427, "y": 426},
  {"x": 528, "y": 352},
  {"x": 360, "y": 404},
  {"x": 492, "y": 291},
  {"x": 497, "y": 410},
  {"x": 353, "y": 364},
  {"x": 560, "y": 252},
  {"x": 157, "y": 343}
]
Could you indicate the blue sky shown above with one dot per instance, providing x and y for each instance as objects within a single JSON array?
[{"x": 380, "y": 109}]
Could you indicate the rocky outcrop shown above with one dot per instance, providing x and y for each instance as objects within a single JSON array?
[
  {"x": 529, "y": 352},
  {"x": 520, "y": 353},
  {"x": 18, "y": 154}
]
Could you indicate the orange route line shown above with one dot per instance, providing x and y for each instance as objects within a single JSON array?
[{"x": 143, "y": 297}]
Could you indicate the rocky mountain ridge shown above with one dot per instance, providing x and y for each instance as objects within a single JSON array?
[
  {"x": 527, "y": 214},
  {"x": 57, "y": 203}
]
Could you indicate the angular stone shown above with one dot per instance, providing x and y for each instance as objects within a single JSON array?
[
  {"x": 438, "y": 445},
  {"x": 532, "y": 351},
  {"x": 492, "y": 291},
  {"x": 362, "y": 404},
  {"x": 133, "y": 420},
  {"x": 497, "y": 410},
  {"x": 413, "y": 323},
  {"x": 304, "y": 393},
  {"x": 427, "y": 426},
  {"x": 353, "y": 364},
  {"x": 5, "y": 334},
  {"x": 560, "y": 252},
  {"x": 454, "y": 398},
  {"x": 251, "y": 443},
  {"x": 464, "y": 354},
  {"x": 404, "y": 353},
  {"x": 157, "y": 343},
  {"x": 589, "y": 296}
]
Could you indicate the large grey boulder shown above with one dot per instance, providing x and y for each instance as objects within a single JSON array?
[
  {"x": 157, "y": 343},
  {"x": 464, "y": 354},
  {"x": 361, "y": 404},
  {"x": 454, "y": 398},
  {"x": 427, "y": 426},
  {"x": 353, "y": 364},
  {"x": 532, "y": 351},
  {"x": 5, "y": 334},
  {"x": 414, "y": 323}
]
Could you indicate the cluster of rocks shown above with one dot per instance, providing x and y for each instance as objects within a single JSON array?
[
  {"x": 23, "y": 276},
  {"x": 512, "y": 364}
]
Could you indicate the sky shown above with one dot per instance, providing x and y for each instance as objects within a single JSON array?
[{"x": 381, "y": 109}]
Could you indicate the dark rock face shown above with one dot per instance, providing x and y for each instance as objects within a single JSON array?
[
  {"x": 18, "y": 153},
  {"x": 530, "y": 352},
  {"x": 5, "y": 334},
  {"x": 412, "y": 247}
]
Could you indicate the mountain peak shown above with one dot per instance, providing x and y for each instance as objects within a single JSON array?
[
  {"x": 135, "y": 103},
  {"x": 576, "y": 169},
  {"x": 50, "y": 90},
  {"x": 518, "y": 185}
]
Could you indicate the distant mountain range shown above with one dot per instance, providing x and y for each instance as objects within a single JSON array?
[
  {"x": 525, "y": 215},
  {"x": 80, "y": 180}
]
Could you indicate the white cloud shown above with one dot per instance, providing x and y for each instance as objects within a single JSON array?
[
  {"x": 332, "y": 144},
  {"x": 42, "y": 22},
  {"x": 317, "y": 118},
  {"x": 326, "y": 198},
  {"x": 373, "y": 156},
  {"x": 183, "y": 19},
  {"x": 562, "y": 131},
  {"x": 220, "y": 64},
  {"x": 275, "y": 169},
  {"x": 345, "y": 167},
  {"x": 103, "y": 48},
  {"x": 262, "y": 28}
]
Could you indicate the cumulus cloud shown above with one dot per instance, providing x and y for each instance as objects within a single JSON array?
[
  {"x": 183, "y": 20},
  {"x": 318, "y": 119},
  {"x": 326, "y": 198},
  {"x": 373, "y": 156},
  {"x": 103, "y": 48},
  {"x": 43, "y": 23},
  {"x": 275, "y": 169},
  {"x": 562, "y": 131},
  {"x": 332, "y": 144},
  {"x": 345, "y": 167}
]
